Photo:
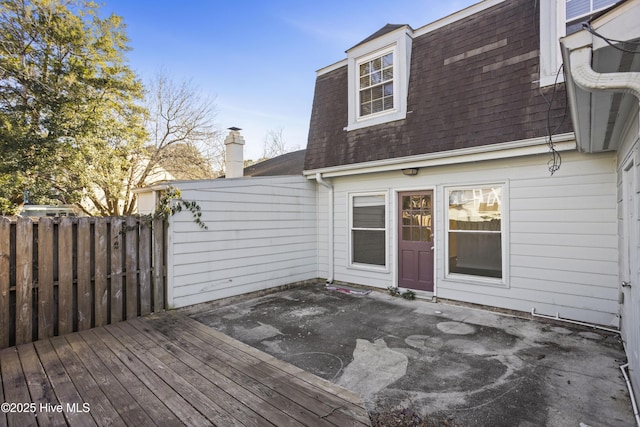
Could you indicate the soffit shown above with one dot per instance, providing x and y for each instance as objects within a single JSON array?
[{"x": 600, "y": 117}]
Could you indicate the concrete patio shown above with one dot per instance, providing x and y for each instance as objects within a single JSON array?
[{"x": 473, "y": 367}]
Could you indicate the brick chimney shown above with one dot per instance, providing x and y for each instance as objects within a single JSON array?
[{"x": 234, "y": 156}]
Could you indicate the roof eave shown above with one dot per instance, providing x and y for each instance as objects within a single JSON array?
[
  {"x": 590, "y": 94},
  {"x": 533, "y": 146}
]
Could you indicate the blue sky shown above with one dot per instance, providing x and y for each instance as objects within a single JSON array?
[{"x": 259, "y": 58}]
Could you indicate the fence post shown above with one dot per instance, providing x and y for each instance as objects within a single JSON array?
[
  {"x": 46, "y": 305},
  {"x": 5, "y": 242},
  {"x": 24, "y": 280}
]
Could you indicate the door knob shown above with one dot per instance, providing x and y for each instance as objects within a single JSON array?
[{"x": 626, "y": 284}]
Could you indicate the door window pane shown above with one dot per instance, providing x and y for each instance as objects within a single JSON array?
[{"x": 416, "y": 212}]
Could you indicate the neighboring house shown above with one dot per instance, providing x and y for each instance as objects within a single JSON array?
[
  {"x": 156, "y": 175},
  {"x": 433, "y": 150},
  {"x": 286, "y": 164}
]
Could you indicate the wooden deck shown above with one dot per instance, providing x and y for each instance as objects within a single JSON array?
[{"x": 165, "y": 370}]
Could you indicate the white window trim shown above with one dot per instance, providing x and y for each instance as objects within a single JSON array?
[
  {"x": 552, "y": 28},
  {"x": 399, "y": 42},
  {"x": 504, "y": 222},
  {"x": 360, "y": 266}
]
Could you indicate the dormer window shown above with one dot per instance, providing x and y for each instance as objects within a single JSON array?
[
  {"x": 376, "y": 85},
  {"x": 378, "y": 72}
]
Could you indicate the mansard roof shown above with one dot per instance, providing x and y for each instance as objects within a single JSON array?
[{"x": 473, "y": 82}]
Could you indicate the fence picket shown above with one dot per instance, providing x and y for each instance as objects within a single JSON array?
[
  {"x": 101, "y": 292},
  {"x": 5, "y": 247},
  {"x": 116, "y": 270},
  {"x": 144, "y": 265},
  {"x": 65, "y": 276},
  {"x": 46, "y": 305},
  {"x": 24, "y": 280},
  {"x": 131, "y": 256},
  {"x": 84, "y": 274},
  {"x": 158, "y": 264},
  {"x": 77, "y": 276}
]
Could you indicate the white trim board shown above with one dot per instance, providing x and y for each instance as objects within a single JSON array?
[{"x": 564, "y": 142}]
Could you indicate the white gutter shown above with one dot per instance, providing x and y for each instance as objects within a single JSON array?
[
  {"x": 330, "y": 221},
  {"x": 589, "y": 80}
]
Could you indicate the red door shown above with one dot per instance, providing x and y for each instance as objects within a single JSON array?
[{"x": 415, "y": 240}]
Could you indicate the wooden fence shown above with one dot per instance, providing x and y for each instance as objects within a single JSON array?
[{"x": 63, "y": 275}]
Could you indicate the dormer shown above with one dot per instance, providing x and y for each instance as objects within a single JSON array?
[{"x": 378, "y": 73}]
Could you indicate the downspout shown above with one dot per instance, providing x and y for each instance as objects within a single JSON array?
[
  {"x": 329, "y": 187},
  {"x": 585, "y": 77}
]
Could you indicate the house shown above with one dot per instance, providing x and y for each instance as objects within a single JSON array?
[
  {"x": 447, "y": 163},
  {"x": 456, "y": 160}
]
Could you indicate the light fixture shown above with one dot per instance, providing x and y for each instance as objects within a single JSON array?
[{"x": 410, "y": 171}]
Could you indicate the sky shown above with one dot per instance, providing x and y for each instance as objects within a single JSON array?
[{"x": 257, "y": 60}]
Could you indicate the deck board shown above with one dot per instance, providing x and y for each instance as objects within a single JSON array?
[
  {"x": 166, "y": 369},
  {"x": 41, "y": 391},
  {"x": 324, "y": 404}
]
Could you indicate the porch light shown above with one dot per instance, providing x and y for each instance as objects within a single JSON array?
[{"x": 410, "y": 171}]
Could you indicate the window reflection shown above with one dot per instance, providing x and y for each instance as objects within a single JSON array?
[{"x": 475, "y": 231}]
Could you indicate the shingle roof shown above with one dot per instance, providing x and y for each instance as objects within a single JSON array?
[
  {"x": 285, "y": 164},
  {"x": 473, "y": 82},
  {"x": 381, "y": 32}
]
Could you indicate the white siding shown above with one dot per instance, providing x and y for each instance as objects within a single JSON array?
[
  {"x": 562, "y": 252},
  {"x": 262, "y": 233},
  {"x": 629, "y": 152}
]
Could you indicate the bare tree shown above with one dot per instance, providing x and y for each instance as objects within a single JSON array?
[
  {"x": 178, "y": 114},
  {"x": 180, "y": 135},
  {"x": 274, "y": 144}
]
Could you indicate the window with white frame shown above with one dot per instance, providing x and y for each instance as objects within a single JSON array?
[
  {"x": 580, "y": 11},
  {"x": 376, "y": 84},
  {"x": 475, "y": 231},
  {"x": 378, "y": 79},
  {"x": 368, "y": 229},
  {"x": 557, "y": 19}
]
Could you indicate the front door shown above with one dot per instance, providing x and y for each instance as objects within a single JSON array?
[{"x": 415, "y": 240}]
